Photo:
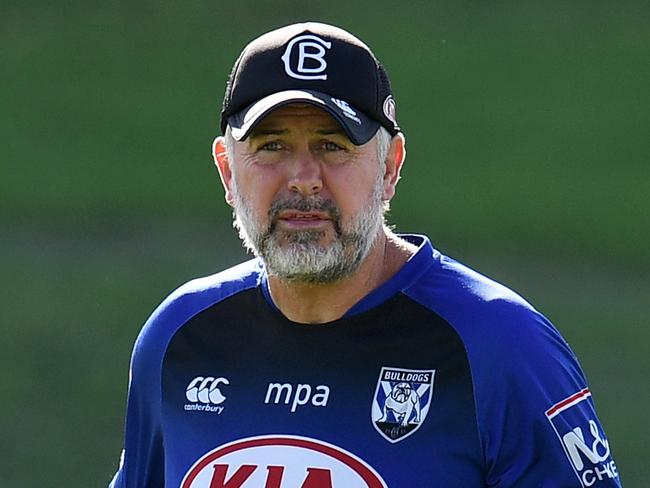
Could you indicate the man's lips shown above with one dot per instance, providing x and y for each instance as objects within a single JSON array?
[
  {"x": 298, "y": 219},
  {"x": 298, "y": 215}
]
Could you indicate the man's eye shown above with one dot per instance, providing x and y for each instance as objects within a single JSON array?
[
  {"x": 331, "y": 146},
  {"x": 271, "y": 146}
]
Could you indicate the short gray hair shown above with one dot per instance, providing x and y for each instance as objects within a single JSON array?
[{"x": 383, "y": 144}]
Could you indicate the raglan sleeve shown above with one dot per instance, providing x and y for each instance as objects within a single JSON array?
[
  {"x": 536, "y": 415},
  {"x": 142, "y": 459}
]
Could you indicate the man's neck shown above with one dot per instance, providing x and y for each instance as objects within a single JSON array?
[{"x": 309, "y": 303}]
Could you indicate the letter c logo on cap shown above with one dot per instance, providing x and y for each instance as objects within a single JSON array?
[{"x": 310, "y": 48}]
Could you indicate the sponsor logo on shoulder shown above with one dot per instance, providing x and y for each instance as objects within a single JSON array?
[
  {"x": 204, "y": 394},
  {"x": 281, "y": 462},
  {"x": 584, "y": 442},
  {"x": 401, "y": 403}
]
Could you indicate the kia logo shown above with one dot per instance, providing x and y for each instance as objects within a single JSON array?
[{"x": 281, "y": 462}]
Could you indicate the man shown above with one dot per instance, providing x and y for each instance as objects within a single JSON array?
[{"x": 344, "y": 355}]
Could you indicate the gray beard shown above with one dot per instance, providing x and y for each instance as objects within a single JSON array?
[{"x": 301, "y": 258}]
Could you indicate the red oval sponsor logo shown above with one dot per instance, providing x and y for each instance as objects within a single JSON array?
[{"x": 281, "y": 462}]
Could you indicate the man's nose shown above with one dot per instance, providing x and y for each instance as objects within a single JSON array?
[{"x": 305, "y": 177}]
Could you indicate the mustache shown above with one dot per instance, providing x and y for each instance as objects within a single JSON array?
[{"x": 305, "y": 204}]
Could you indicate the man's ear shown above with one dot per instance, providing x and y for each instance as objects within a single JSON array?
[
  {"x": 394, "y": 161},
  {"x": 220, "y": 155}
]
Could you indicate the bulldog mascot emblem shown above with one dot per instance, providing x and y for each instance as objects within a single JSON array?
[{"x": 401, "y": 403}]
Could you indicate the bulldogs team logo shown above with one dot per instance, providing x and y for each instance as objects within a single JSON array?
[{"x": 401, "y": 403}]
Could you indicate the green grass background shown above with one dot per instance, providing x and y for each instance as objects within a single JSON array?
[{"x": 527, "y": 129}]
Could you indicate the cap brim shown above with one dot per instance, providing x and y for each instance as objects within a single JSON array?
[{"x": 358, "y": 127}]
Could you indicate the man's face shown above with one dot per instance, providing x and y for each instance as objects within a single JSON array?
[{"x": 306, "y": 200}]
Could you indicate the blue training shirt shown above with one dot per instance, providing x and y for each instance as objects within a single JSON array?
[{"x": 440, "y": 377}]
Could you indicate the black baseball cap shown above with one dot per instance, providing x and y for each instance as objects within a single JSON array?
[{"x": 312, "y": 63}]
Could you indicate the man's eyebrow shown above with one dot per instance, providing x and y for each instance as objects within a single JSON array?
[{"x": 330, "y": 131}]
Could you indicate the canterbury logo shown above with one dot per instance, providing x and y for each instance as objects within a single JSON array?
[
  {"x": 310, "y": 58},
  {"x": 347, "y": 110},
  {"x": 206, "y": 390}
]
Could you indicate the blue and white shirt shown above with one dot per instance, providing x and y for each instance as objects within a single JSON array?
[{"x": 440, "y": 377}]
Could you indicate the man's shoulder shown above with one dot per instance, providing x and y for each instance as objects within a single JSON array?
[
  {"x": 501, "y": 332},
  {"x": 196, "y": 296},
  {"x": 453, "y": 287},
  {"x": 455, "y": 291},
  {"x": 479, "y": 308},
  {"x": 220, "y": 285}
]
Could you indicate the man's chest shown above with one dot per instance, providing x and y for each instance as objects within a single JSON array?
[{"x": 249, "y": 402}]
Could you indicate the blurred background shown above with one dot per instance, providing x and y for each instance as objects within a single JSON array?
[{"x": 527, "y": 127}]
